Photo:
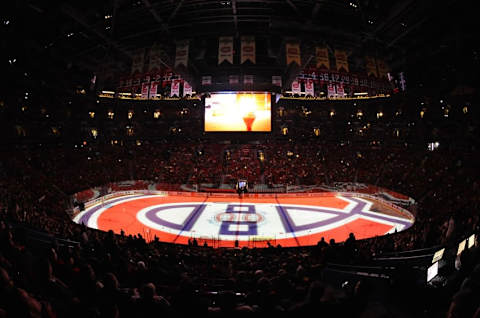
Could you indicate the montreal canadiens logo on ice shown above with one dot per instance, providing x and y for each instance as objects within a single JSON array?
[{"x": 237, "y": 220}]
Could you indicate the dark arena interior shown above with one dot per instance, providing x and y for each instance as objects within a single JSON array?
[{"x": 239, "y": 158}]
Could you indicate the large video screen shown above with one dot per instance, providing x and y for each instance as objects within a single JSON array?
[{"x": 238, "y": 111}]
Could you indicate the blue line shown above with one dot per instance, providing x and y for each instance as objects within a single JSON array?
[
  {"x": 193, "y": 216},
  {"x": 285, "y": 220}
]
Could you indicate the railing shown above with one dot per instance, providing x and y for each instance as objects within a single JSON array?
[{"x": 43, "y": 237}]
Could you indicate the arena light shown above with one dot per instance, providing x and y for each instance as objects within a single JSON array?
[
  {"x": 471, "y": 240},
  {"x": 432, "y": 272},
  {"x": 360, "y": 94},
  {"x": 438, "y": 255},
  {"x": 461, "y": 247},
  {"x": 431, "y": 146}
]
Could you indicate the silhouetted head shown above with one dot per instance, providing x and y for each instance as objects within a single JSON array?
[{"x": 149, "y": 291}]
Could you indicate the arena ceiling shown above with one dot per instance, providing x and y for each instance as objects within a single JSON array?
[{"x": 87, "y": 34}]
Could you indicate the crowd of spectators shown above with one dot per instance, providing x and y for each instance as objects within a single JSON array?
[
  {"x": 111, "y": 275},
  {"x": 444, "y": 183},
  {"x": 102, "y": 274}
]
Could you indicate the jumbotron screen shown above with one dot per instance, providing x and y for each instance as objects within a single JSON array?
[{"x": 238, "y": 111}]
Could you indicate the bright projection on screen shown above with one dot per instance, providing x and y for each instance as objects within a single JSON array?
[{"x": 235, "y": 111}]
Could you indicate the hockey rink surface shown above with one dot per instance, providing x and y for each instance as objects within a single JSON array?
[{"x": 252, "y": 221}]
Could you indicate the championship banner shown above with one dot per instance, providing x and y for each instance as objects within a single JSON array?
[
  {"x": 309, "y": 88},
  {"x": 153, "y": 89},
  {"x": 181, "y": 54},
  {"x": 354, "y": 81},
  {"x": 175, "y": 88},
  {"x": 138, "y": 61},
  {"x": 382, "y": 69},
  {"x": 247, "y": 51},
  {"x": 225, "y": 49},
  {"x": 167, "y": 78},
  {"x": 293, "y": 53},
  {"x": 296, "y": 87},
  {"x": 322, "y": 57},
  {"x": 145, "y": 89},
  {"x": 187, "y": 89},
  {"x": 247, "y": 79},
  {"x": 330, "y": 90},
  {"x": 233, "y": 79},
  {"x": 206, "y": 80},
  {"x": 347, "y": 79},
  {"x": 277, "y": 80},
  {"x": 340, "y": 91},
  {"x": 341, "y": 59},
  {"x": 371, "y": 66},
  {"x": 155, "y": 63}
]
